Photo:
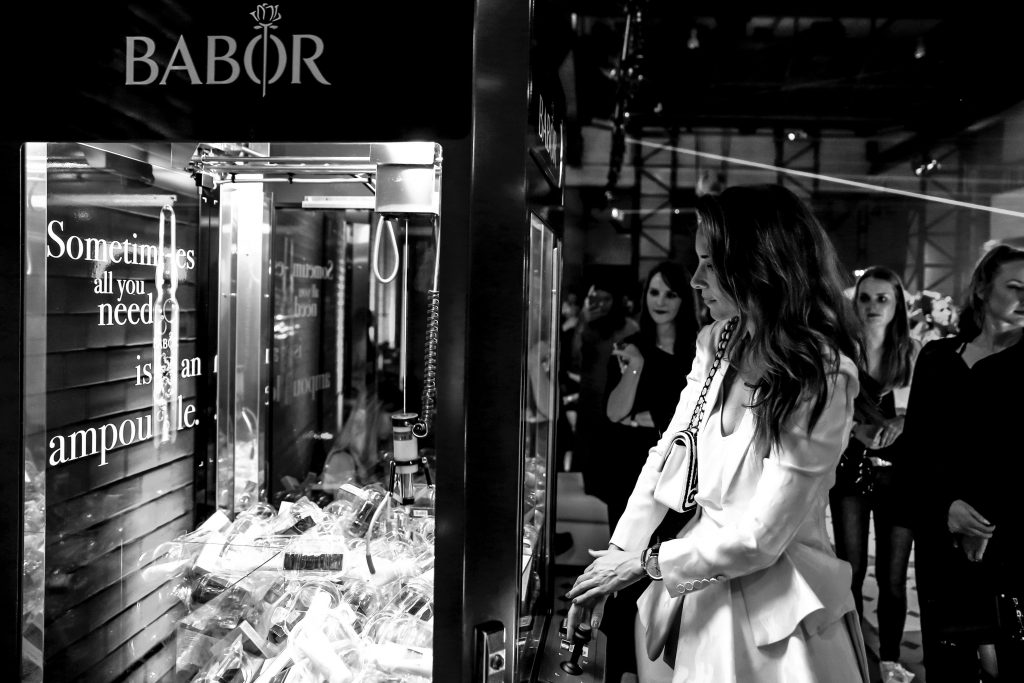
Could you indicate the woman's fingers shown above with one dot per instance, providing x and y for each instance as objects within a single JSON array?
[
  {"x": 590, "y": 593},
  {"x": 583, "y": 584},
  {"x": 597, "y": 612},
  {"x": 578, "y": 614},
  {"x": 978, "y": 525},
  {"x": 976, "y": 517}
]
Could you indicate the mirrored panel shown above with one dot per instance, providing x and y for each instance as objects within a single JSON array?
[{"x": 539, "y": 418}]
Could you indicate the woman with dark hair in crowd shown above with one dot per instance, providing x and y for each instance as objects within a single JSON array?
[
  {"x": 942, "y": 458},
  {"x": 646, "y": 374},
  {"x": 603, "y": 323},
  {"x": 864, "y": 482},
  {"x": 766, "y": 598}
]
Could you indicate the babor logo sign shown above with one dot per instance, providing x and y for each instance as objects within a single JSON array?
[{"x": 264, "y": 60}]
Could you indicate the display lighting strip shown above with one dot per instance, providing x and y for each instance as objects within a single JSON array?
[
  {"x": 826, "y": 178},
  {"x": 41, "y": 201},
  {"x": 226, "y": 169}
]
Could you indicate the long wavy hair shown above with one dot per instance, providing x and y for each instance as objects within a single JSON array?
[
  {"x": 972, "y": 316},
  {"x": 897, "y": 345},
  {"x": 773, "y": 258},
  {"x": 677, "y": 278}
]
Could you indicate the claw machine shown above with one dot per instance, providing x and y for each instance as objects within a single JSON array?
[{"x": 286, "y": 279}]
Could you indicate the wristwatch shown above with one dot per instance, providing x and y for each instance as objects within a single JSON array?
[{"x": 649, "y": 561}]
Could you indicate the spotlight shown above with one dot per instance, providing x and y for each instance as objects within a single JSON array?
[
  {"x": 796, "y": 134},
  {"x": 693, "y": 42},
  {"x": 927, "y": 166}
]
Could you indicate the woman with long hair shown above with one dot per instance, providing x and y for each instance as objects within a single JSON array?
[
  {"x": 646, "y": 374},
  {"x": 948, "y": 449},
  {"x": 766, "y": 599},
  {"x": 864, "y": 481}
]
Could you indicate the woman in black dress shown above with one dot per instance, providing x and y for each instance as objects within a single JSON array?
[
  {"x": 944, "y": 452},
  {"x": 646, "y": 374}
]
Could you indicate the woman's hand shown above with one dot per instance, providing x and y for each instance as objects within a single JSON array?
[
  {"x": 585, "y": 613},
  {"x": 644, "y": 419},
  {"x": 890, "y": 431},
  {"x": 964, "y": 519},
  {"x": 630, "y": 358},
  {"x": 867, "y": 434},
  {"x": 973, "y": 547},
  {"x": 612, "y": 570}
]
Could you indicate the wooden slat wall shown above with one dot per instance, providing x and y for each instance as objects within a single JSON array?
[{"x": 103, "y": 621}]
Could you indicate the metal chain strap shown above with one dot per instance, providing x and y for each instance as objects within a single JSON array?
[{"x": 698, "y": 410}]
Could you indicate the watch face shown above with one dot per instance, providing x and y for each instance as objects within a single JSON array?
[{"x": 652, "y": 567}]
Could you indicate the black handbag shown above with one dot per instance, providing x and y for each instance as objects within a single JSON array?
[
  {"x": 855, "y": 475},
  {"x": 1011, "y": 617}
]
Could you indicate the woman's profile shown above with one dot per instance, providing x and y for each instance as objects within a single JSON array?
[{"x": 763, "y": 596}]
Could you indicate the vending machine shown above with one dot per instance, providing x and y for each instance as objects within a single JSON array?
[{"x": 287, "y": 348}]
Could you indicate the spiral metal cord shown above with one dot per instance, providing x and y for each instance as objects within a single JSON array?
[{"x": 422, "y": 428}]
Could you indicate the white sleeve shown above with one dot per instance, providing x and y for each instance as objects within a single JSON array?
[
  {"x": 643, "y": 514},
  {"x": 792, "y": 478}
]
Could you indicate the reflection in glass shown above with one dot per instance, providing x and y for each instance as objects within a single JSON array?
[
  {"x": 538, "y": 411},
  {"x": 98, "y": 492}
]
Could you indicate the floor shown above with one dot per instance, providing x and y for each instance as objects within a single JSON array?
[{"x": 910, "y": 653}]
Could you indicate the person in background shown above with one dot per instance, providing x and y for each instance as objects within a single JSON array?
[
  {"x": 959, "y": 625},
  {"x": 992, "y": 488},
  {"x": 864, "y": 483},
  {"x": 603, "y": 323},
  {"x": 751, "y": 589},
  {"x": 646, "y": 374},
  {"x": 934, "y": 317}
]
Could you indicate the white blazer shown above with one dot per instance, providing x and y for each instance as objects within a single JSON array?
[{"x": 762, "y": 519}]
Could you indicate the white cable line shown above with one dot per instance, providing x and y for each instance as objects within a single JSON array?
[{"x": 831, "y": 179}]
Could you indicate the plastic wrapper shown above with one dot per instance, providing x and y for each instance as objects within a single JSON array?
[{"x": 301, "y": 594}]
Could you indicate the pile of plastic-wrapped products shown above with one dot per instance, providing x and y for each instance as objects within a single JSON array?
[{"x": 303, "y": 594}]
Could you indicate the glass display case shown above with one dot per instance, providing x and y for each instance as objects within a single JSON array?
[{"x": 283, "y": 319}]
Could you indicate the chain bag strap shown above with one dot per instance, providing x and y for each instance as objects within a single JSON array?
[{"x": 677, "y": 484}]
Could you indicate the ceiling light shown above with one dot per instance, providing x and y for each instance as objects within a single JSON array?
[
  {"x": 919, "y": 51},
  {"x": 927, "y": 166},
  {"x": 693, "y": 42}
]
